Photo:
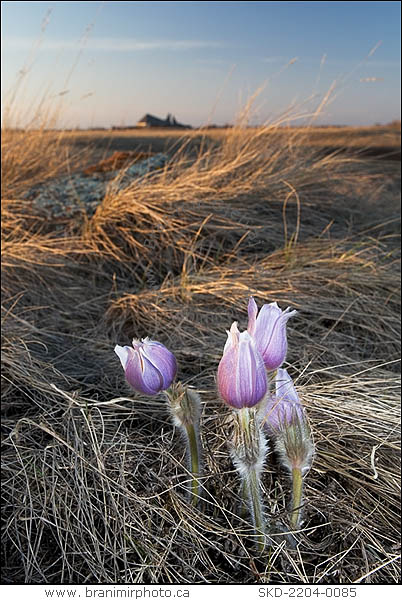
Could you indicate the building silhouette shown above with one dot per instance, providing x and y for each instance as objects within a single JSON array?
[{"x": 152, "y": 121}]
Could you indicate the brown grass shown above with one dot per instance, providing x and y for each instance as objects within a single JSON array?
[
  {"x": 94, "y": 477},
  {"x": 384, "y": 139}
]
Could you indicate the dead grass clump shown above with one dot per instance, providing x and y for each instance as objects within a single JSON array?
[
  {"x": 33, "y": 156},
  {"x": 94, "y": 485},
  {"x": 212, "y": 193},
  {"x": 104, "y": 483},
  {"x": 337, "y": 291}
]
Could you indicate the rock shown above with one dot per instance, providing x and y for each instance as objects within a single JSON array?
[{"x": 82, "y": 192}]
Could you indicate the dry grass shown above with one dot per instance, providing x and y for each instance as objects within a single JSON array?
[{"x": 93, "y": 476}]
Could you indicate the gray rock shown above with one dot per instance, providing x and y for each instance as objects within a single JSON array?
[{"x": 79, "y": 194}]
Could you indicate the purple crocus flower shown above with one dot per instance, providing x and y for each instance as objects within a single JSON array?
[
  {"x": 283, "y": 408},
  {"x": 269, "y": 331},
  {"x": 242, "y": 381},
  {"x": 148, "y": 365},
  {"x": 285, "y": 421}
]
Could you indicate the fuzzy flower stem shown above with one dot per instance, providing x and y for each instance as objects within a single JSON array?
[
  {"x": 250, "y": 459},
  {"x": 255, "y": 503},
  {"x": 243, "y": 506},
  {"x": 193, "y": 446},
  {"x": 184, "y": 406},
  {"x": 297, "y": 494}
]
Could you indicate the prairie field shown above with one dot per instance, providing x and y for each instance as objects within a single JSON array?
[{"x": 94, "y": 473}]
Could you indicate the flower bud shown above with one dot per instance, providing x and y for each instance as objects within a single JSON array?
[
  {"x": 269, "y": 332},
  {"x": 284, "y": 407},
  {"x": 242, "y": 380},
  {"x": 149, "y": 366},
  {"x": 286, "y": 422}
]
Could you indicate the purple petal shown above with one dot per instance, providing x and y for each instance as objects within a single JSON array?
[
  {"x": 285, "y": 388},
  {"x": 241, "y": 374},
  {"x": 123, "y": 352},
  {"x": 252, "y": 315},
  {"x": 227, "y": 377},
  {"x": 149, "y": 366},
  {"x": 276, "y": 414},
  {"x": 142, "y": 375},
  {"x": 233, "y": 337},
  {"x": 265, "y": 324},
  {"x": 270, "y": 334},
  {"x": 162, "y": 360},
  {"x": 251, "y": 377},
  {"x": 285, "y": 407}
]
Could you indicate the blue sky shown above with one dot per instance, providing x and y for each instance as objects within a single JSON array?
[{"x": 115, "y": 61}]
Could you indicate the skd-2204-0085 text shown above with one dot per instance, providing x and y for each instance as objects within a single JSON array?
[{"x": 307, "y": 592}]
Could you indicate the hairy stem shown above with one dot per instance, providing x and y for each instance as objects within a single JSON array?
[
  {"x": 256, "y": 512},
  {"x": 244, "y": 496},
  {"x": 297, "y": 494},
  {"x": 184, "y": 406},
  {"x": 251, "y": 479},
  {"x": 194, "y": 462}
]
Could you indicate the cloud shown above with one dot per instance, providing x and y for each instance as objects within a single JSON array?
[
  {"x": 280, "y": 59},
  {"x": 274, "y": 59},
  {"x": 111, "y": 44},
  {"x": 371, "y": 79},
  {"x": 324, "y": 61},
  {"x": 212, "y": 61}
]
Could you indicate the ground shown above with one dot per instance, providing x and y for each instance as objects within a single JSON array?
[{"x": 94, "y": 473}]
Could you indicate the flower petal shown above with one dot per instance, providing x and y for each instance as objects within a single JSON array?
[
  {"x": 241, "y": 373},
  {"x": 283, "y": 408},
  {"x": 123, "y": 352},
  {"x": 270, "y": 334},
  {"x": 149, "y": 366},
  {"x": 233, "y": 337},
  {"x": 162, "y": 360},
  {"x": 142, "y": 375},
  {"x": 251, "y": 377},
  {"x": 284, "y": 387},
  {"x": 252, "y": 315},
  {"x": 227, "y": 377}
]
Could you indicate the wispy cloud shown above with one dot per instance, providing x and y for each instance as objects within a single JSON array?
[
  {"x": 333, "y": 62},
  {"x": 111, "y": 44},
  {"x": 371, "y": 79},
  {"x": 213, "y": 61},
  {"x": 274, "y": 59},
  {"x": 280, "y": 59}
]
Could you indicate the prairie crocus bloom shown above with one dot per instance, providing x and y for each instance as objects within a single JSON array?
[
  {"x": 241, "y": 374},
  {"x": 283, "y": 408},
  {"x": 242, "y": 383},
  {"x": 286, "y": 422},
  {"x": 149, "y": 366},
  {"x": 269, "y": 332}
]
